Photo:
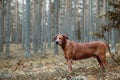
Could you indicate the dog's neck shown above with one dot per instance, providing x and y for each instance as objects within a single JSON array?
[{"x": 63, "y": 45}]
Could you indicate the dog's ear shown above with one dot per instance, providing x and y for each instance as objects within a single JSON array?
[
  {"x": 65, "y": 36},
  {"x": 54, "y": 37}
]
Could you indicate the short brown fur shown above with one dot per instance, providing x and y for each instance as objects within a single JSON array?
[{"x": 78, "y": 51}]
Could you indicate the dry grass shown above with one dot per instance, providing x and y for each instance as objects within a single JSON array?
[{"x": 52, "y": 67}]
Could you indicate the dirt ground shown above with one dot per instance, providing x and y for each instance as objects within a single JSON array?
[{"x": 53, "y": 67}]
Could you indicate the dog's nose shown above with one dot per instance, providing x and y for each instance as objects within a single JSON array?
[{"x": 57, "y": 42}]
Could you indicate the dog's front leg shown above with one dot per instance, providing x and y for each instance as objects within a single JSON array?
[{"x": 69, "y": 63}]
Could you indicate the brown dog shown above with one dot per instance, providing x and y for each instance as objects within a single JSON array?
[{"x": 77, "y": 51}]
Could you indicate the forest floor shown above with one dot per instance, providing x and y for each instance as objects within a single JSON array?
[{"x": 53, "y": 67}]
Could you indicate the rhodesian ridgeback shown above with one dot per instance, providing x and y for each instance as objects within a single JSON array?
[{"x": 78, "y": 51}]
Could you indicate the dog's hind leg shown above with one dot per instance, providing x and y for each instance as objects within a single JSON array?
[
  {"x": 100, "y": 63},
  {"x": 104, "y": 61}
]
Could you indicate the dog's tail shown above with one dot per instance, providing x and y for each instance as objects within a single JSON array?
[{"x": 112, "y": 56}]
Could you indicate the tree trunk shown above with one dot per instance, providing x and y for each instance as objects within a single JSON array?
[
  {"x": 27, "y": 30},
  {"x": 84, "y": 30},
  {"x": 75, "y": 26},
  {"x": 90, "y": 21},
  {"x": 34, "y": 28},
  {"x": 8, "y": 29},
  {"x": 105, "y": 19},
  {"x": 39, "y": 28},
  {"x": 1, "y": 26},
  {"x": 23, "y": 25},
  {"x": 56, "y": 3},
  {"x": 16, "y": 23},
  {"x": 49, "y": 25},
  {"x": 97, "y": 15},
  {"x": 113, "y": 41}
]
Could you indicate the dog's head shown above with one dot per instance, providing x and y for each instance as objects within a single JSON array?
[{"x": 60, "y": 39}]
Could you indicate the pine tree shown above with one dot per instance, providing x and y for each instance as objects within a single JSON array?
[{"x": 113, "y": 16}]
